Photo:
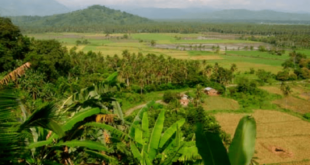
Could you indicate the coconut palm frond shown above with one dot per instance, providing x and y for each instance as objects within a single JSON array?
[
  {"x": 45, "y": 118},
  {"x": 12, "y": 76},
  {"x": 9, "y": 137}
]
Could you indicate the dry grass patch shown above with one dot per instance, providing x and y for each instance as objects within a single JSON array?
[
  {"x": 297, "y": 90},
  {"x": 245, "y": 66},
  {"x": 275, "y": 130},
  {"x": 295, "y": 104},
  {"x": 272, "y": 89},
  {"x": 220, "y": 103}
]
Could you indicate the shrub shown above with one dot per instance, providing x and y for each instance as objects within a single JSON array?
[
  {"x": 169, "y": 96},
  {"x": 307, "y": 116}
]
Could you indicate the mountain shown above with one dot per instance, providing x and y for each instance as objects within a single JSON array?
[
  {"x": 164, "y": 13},
  {"x": 92, "y": 16},
  {"x": 243, "y": 15},
  {"x": 31, "y": 7},
  {"x": 207, "y": 13}
]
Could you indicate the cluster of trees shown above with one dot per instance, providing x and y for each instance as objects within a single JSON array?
[
  {"x": 249, "y": 96},
  {"x": 272, "y": 51},
  {"x": 296, "y": 67},
  {"x": 82, "y": 42}
]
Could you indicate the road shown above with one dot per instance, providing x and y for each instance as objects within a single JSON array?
[{"x": 129, "y": 111}]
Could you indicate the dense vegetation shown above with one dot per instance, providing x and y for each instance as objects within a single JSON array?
[{"x": 65, "y": 106}]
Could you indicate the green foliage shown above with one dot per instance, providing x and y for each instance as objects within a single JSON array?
[
  {"x": 264, "y": 76},
  {"x": 210, "y": 147},
  {"x": 250, "y": 96},
  {"x": 87, "y": 144},
  {"x": 286, "y": 89},
  {"x": 241, "y": 151},
  {"x": 307, "y": 116},
  {"x": 10, "y": 137},
  {"x": 49, "y": 57},
  {"x": 13, "y": 46},
  {"x": 79, "y": 117},
  {"x": 44, "y": 117},
  {"x": 108, "y": 128},
  {"x": 242, "y": 147},
  {"x": 170, "y": 96}
]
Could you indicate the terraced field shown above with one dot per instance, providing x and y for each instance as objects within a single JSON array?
[
  {"x": 181, "y": 46},
  {"x": 281, "y": 138}
]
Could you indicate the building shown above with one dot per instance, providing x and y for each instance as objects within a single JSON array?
[
  {"x": 184, "y": 100},
  {"x": 211, "y": 92}
]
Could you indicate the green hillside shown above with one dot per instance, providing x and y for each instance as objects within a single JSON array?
[{"x": 92, "y": 16}]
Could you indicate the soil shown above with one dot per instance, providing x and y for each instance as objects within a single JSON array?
[{"x": 279, "y": 151}]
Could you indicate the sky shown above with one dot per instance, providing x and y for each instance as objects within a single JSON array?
[{"x": 280, "y": 5}]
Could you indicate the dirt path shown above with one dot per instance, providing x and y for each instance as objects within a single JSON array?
[{"x": 129, "y": 111}]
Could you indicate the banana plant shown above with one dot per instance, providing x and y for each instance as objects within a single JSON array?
[
  {"x": 156, "y": 145},
  {"x": 68, "y": 131},
  {"x": 241, "y": 150}
]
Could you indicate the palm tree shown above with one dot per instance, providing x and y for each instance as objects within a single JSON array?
[{"x": 12, "y": 76}]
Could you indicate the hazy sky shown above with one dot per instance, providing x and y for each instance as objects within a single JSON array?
[{"x": 289, "y": 5}]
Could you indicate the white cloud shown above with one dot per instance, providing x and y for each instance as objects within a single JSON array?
[{"x": 290, "y": 5}]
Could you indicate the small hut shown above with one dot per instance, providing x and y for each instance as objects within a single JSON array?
[
  {"x": 184, "y": 100},
  {"x": 211, "y": 92}
]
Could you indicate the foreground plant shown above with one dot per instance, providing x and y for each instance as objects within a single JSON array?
[{"x": 241, "y": 150}]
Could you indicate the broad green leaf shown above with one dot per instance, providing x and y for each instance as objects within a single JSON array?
[
  {"x": 53, "y": 126},
  {"x": 118, "y": 110},
  {"x": 136, "y": 153},
  {"x": 145, "y": 126},
  {"x": 87, "y": 144},
  {"x": 109, "y": 128},
  {"x": 107, "y": 158},
  {"x": 174, "y": 156},
  {"x": 39, "y": 144},
  {"x": 211, "y": 148},
  {"x": 79, "y": 117},
  {"x": 242, "y": 147},
  {"x": 156, "y": 134},
  {"x": 139, "y": 136},
  {"x": 170, "y": 131},
  {"x": 138, "y": 119},
  {"x": 112, "y": 77}
]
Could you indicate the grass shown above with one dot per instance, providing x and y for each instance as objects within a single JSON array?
[
  {"x": 258, "y": 54},
  {"x": 274, "y": 129},
  {"x": 147, "y": 97},
  {"x": 294, "y": 104},
  {"x": 220, "y": 103}
]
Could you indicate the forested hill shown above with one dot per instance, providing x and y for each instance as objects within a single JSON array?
[
  {"x": 31, "y": 7},
  {"x": 91, "y": 17}
]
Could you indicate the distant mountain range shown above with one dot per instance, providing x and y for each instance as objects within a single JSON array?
[
  {"x": 216, "y": 14},
  {"x": 31, "y": 7},
  {"x": 164, "y": 13},
  {"x": 92, "y": 16},
  {"x": 241, "y": 14},
  {"x": 51, "y": 7}
]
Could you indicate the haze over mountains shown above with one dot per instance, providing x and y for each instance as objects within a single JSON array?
[
  {"x": 50, "y": 7},
  {"x": 31, "y": 7}
]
